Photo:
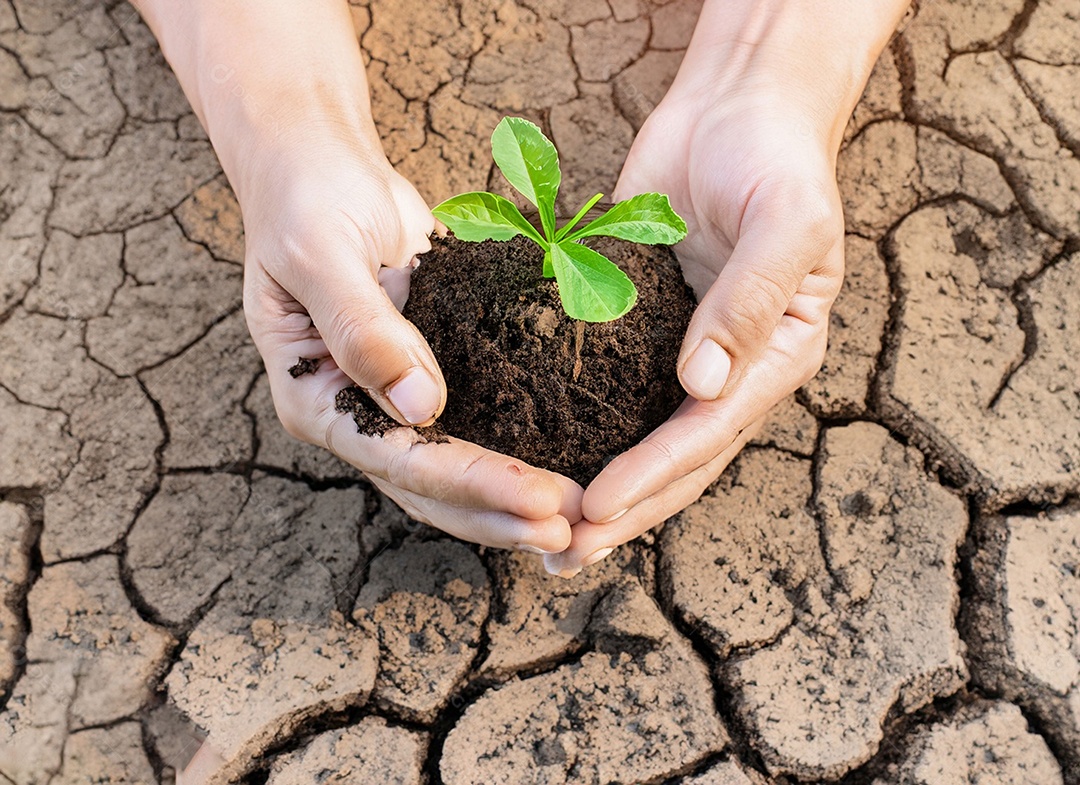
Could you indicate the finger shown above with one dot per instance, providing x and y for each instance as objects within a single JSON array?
[
  {"x": 700, "y": 430},
  {"x": 486, "y": 527},
  {"x": 334, "y": 276},
  {"x": 772, "y": 263},
  {"x": 203, "y": 765},
  {"x": 593, "y": 542},
  {"x": 455, "y": 472},
  {"x": 395, "y": 282}
]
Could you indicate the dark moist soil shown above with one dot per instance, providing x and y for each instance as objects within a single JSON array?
[
  {"x": 303, "y": 366},
  {"x": 525, "y": 379}
]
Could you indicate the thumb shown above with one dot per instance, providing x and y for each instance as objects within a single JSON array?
[
  {"x": 371, "y": 341},
  {"x": 756, "y": 287}
]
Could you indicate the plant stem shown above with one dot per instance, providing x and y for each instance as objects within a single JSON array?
[{"x": 577, "y": 218}]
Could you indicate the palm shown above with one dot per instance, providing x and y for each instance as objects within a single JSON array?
[{"x": 764, "y": 255}]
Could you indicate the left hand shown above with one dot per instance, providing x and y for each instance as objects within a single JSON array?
[{"x": 765, "y": 255}]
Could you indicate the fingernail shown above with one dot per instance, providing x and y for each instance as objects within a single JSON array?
[
  {"x": 415, "y": 395},
  {"x": 596, "y": 556},
  {"x": 616, "y": 516},
  {"x": 705, "y": 373},
  {"x": 553, "y": 568},
  {"x": 533, "y": 549}
]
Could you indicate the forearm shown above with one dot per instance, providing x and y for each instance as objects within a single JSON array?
[
  {"x": 816, "y": 54},
  {"x": 267, "y": 76}
]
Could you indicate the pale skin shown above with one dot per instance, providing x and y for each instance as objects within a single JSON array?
[{"x": 745, "y": 144}]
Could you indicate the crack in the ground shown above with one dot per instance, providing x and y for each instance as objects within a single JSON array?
[
  {"x": 33, "y": 504},
  {"x": 739, "y": 744}
]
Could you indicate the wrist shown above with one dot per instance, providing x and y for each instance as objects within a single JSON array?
[
  {"x": 804, "y": 60},
  {"x": 276, "y": 84}
]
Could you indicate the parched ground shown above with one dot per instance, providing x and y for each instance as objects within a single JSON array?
[{"x": 884, "y": 589}]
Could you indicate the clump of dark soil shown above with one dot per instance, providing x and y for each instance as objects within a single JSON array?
[{"x": 525, "y": 379}]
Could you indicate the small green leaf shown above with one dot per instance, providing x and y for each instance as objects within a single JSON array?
[
  {"x": 645, "y": 218},
  {"x": 477, "y": 216},
  {"x": 591, "y": 287},
  {"x": 530, "y": 163},
  {"x": 566, "y": 229}
]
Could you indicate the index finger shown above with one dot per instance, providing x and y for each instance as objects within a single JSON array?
[{"x": 456, "y": 472}]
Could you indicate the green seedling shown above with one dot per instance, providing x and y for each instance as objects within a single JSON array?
[{"x": 591, "y": 287}]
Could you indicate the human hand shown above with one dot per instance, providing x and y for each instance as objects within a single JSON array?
[
  {"x": 330, "y": 244},
  {"x": 746, "y": 149},
  {"x": 331, "y": 231}
]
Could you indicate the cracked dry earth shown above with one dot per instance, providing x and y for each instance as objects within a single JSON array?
[{"x": 884, "y": 588}]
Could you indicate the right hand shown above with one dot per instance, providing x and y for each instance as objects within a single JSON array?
[{"x": 331, "y": 239}]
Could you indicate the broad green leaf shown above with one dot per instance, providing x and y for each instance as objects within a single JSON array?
[
  {"x": 530, "y": 163},
  {"x": 477, "y": 216},
  {"x": 645, "y": 218},
  {"x": 591, "y": 287}
]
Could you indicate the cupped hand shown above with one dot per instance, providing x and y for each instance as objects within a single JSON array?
[
  {"x": 764, "y": 253},
  {"x": 331, "y": 240}
]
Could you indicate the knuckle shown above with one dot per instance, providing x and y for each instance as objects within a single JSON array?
[
  {"x": 666, "y": 454},
  {"x": 397, "y": 472},
  {"x": 740, "y": 325},
  {"x": 357, "y": 339}
]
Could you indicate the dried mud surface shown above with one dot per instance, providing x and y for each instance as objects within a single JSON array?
[{"x": 883, "y": 589}]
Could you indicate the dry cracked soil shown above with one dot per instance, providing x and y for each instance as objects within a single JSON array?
[{"x": 884, "y": 589}]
